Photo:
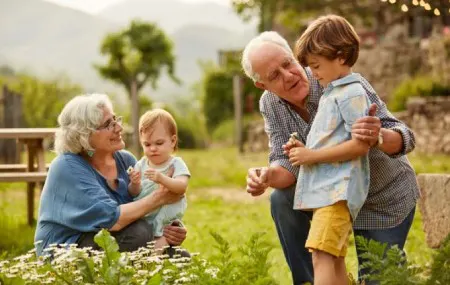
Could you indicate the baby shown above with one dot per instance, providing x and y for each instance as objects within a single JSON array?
[{"x": 158, "y": 135}]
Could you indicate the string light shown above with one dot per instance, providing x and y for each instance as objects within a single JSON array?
[{"x": 422, "y": 3}]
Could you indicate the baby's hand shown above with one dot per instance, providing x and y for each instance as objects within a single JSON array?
[
  {"x": 135, "y": 177},
  {"x": 153, "y": 175}
]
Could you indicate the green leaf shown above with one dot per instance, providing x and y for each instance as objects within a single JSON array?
[{"x": 155, "y": 280}]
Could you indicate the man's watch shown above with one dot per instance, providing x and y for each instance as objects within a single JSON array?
[{"x": 380, "y": 139}]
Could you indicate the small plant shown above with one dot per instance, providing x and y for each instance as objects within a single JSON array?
[{"x": 388, "y": 266}]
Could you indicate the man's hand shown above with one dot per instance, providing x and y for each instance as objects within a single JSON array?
[
  {"x": 257, "y": 180},
  {"x": 135, "y": 177},
  {"x": 174, "y": 234},
  {"x": 300, "y": 155},
  {"x": 368, "y": 128},
  {"x": 153, "y": 175}
]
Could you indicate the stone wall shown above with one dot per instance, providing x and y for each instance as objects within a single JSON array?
[
  {"x": 256, "y": 139},
  {"x": 434, "y": 207},
  {"x": 429, "y": 118},
  {"x": 393, "y": 60}
]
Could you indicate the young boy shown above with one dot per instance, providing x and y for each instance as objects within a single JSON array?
[{"x": 335, "y": 190}]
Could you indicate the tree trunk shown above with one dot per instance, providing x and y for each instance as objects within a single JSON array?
[{"x": 135, "y": 118}]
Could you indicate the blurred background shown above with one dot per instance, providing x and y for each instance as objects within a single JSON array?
[{"x": 183, "y": 55}]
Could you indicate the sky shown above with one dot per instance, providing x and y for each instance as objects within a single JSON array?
[{"x": 94, "y": 6}]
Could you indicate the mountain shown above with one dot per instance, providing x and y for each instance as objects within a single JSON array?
[
  {"x": 172, "y": 15},
  {"x": 47, "y": 40}
]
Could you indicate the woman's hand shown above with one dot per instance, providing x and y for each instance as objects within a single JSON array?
[{"x": 174, "y": 234}]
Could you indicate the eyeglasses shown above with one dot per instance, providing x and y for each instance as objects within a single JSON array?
[{"x": 111, "y": 124}]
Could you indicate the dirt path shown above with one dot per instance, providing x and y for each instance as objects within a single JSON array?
[{"x": 229, "y": 194}]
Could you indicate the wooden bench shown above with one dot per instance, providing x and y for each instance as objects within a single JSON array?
[
  {"x": 31, "y": 178},
  {"x": 23, "y": 176},
  {"x": 17, "y": 167},
  {"x": 34, "y": 171}
]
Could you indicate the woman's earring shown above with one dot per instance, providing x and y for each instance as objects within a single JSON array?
[{"x": 90, "y": 153}]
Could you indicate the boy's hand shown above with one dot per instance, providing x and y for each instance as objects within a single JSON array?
[
  {"x": 290, "y": 145},
  {"x": 299, "y": 155},
  {"x": 135, "y": 177},
  {"x": 153, "y": 175}
]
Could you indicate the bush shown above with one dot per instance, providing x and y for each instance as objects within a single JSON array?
[
  {"x": 71, "y": 265},
  {"x": 192, "y": 132},
  {"x": 389, "y": 266},
  {"x": 225, "y": 132},
  {"x": 421, "y": 86}
]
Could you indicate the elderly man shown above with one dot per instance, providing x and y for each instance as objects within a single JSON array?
[{"x": 288, "y": 105}]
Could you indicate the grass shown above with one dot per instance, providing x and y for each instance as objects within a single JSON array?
[{"x": 217, "y": 202}]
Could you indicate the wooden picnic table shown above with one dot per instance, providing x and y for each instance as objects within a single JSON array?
[{"x": 35, "y": 173}]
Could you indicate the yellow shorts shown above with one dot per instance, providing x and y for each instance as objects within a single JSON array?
[{"x": 330, "y": 230}]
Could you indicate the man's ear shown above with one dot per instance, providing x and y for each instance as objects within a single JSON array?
[{"x": 260, "y": 85}]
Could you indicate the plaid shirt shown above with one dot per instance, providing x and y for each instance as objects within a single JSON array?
[{"x": 393, "y": 188}]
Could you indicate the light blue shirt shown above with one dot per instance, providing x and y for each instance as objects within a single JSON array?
[
  {"x": 319, "y": 185},
  {"x": 77, "y": 199},
  {"x": 167, "y": 213}
]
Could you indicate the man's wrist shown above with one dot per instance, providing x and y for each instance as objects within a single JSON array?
[{"x": 380, "y": 140}]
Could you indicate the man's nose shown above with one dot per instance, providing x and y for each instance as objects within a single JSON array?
[{"x": 287, "y": 75}]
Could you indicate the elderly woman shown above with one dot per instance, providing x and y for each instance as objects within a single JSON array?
[{"x": 86, "y": 187}]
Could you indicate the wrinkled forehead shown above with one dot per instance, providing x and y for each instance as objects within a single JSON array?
[{"x": 267, "y": 57}]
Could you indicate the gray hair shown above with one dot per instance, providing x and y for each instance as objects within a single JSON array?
[
  {"x": 256, "y": 42},
  {"x": 78, "y": 120}
]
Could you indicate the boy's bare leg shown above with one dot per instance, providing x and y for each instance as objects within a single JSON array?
[
  {"x": 324, "y": 271},
  {"x": 160, "y": 244},
  {"x": 340, "y": 271}
]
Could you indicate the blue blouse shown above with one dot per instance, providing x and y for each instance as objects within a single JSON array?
[{"x": 77, "y": 199}]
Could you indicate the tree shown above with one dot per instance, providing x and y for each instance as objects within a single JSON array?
[
  {"x": 42, "y": 100},
  {"x": 137, "y": 56}
]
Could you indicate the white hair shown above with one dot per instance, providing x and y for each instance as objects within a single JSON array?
[
  {"x": 255, "y": 43},
  {"x": 79, "y": 118}
]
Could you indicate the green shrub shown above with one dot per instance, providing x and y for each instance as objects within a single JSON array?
[
  {"x": 421, "y": 86},
  {"x": 389, "y": 266},
  {"x": 440, "y": 269},
  {"x": 225, "y": 132},
  {"x": 192, "y": 132}
]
